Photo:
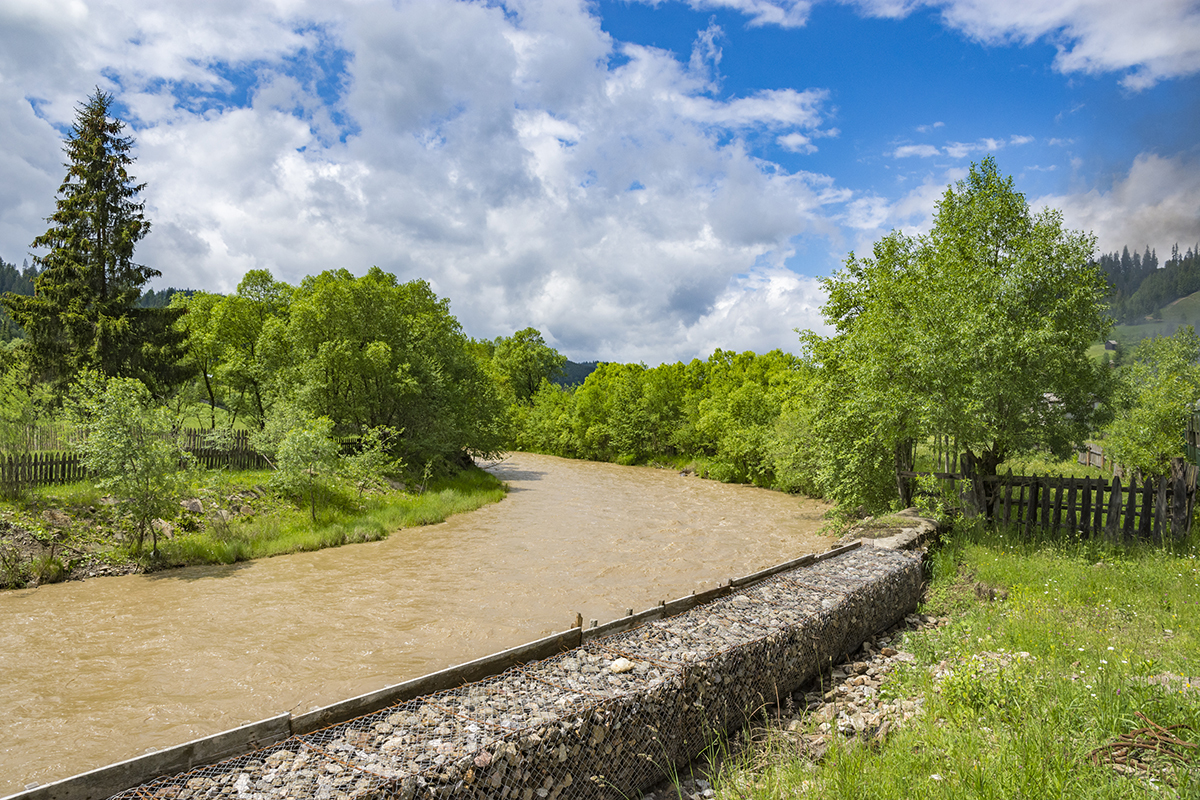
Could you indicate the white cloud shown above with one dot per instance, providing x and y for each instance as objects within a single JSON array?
[
  {"x": 760, "y": 310},
  {"x": 922, "y": 150},
  {"x": 797, "y": 143},
  {"x": 1019, "y": 140},
  {"x": 784, "y": 13},
  {"x": 1148, "y": 42},
  {"x": 928, "y": 128},
  {"x": 501, "y": 172},
  {"x": 1157, "y": 203}
]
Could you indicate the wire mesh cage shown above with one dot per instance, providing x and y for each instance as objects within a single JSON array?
[{"x": 607, "y": 719}]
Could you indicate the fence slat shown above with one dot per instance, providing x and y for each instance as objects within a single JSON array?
[
  {"x": 1130, "y": 510},
  {"x": 1114, "y": 512},
  {"x": 1072, "y": 497},
  {"x": 1160, "y": 511},
  {"x": 1058, "y": 504},
  {"x": 1085, "y": 511},
  {"x": 1147, "y": 506}
]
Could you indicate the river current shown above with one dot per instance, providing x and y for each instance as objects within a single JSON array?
[{"x": 98, "y": 671}]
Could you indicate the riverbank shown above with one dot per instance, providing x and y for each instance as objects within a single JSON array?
[
  {"x": 72, "y": 532},
  {"x": 153, "y": 660},
  {"x": 1035, "y": 670}
]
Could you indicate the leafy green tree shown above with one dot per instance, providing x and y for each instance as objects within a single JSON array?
[
  {"x": 130, "y": 448},
  {"x": 82, "y": 314},
  {"x": 370, "y": 463},
  {"x": 524, "y": 360},
  {"x": 1156, "y": 394},
  {"x": 977, "y": 332},
  {"x": 306, "y": 459},
  {"x": 205, "y": 346},
  {"x": 370, "y": 352}
]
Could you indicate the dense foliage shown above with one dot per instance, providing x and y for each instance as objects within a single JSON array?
[
  {"x": 1157, "y": 393},
  {"x": 734, "y": 412},
  {"x": 363, "y": 353},
  {"x": 977, "y": 332}
]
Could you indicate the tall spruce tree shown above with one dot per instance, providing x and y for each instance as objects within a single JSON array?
[{"x": 83, "y": 312}]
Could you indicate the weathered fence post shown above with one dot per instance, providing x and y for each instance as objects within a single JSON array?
[
  {"x": 1085, "y": 510},
  {"x": 1114, "y": 513}
]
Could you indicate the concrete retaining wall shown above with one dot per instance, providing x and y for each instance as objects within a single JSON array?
[{"x": 604, "y": 711}]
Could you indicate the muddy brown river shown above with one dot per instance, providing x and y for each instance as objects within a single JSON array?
[{"x": 98, "y": 671}]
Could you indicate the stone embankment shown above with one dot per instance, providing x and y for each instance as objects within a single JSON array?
[
  {"x": 845, "y": 703},
  {"x": 611, "y": 717}
]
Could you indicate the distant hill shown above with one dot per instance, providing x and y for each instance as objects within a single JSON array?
[
  {"x": 17, "y": 281},
  {"x": 162, "y": 298},
  {"x": 20, "y": 281},
  {"x": 1164, "y": 321},
  {"x": 575, "y": 374},
  {"x": 1139, "y": 287}
]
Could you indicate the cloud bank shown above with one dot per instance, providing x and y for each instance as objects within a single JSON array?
[
  {"x": 533, "y": 169},
  {"x": 544, "y": 175}
]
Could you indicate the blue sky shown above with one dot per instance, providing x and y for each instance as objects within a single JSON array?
[{"x": 639, "y": 181}]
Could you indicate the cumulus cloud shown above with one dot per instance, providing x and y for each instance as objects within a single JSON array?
[
  {"x": 1147, "y": 42},
  {"x": 758, "y": 310},
  {"x": 1157, "y": 203},
  {"x": 546, "y": 175}
]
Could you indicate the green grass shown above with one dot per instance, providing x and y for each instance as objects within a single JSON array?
[
  {"x": 198, "y": 415},
  {"x": 342, "y": 518},
  {"x": 1045, "y": 465},
  {"x": 1096, "y": 623},
  {"x": 274, "y": 526},
  {"x": 1185, "y": 311}
]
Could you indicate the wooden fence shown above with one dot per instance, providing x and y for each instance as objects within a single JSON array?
[
  {"x": 239, "y": 454},
  {"x": 20, "y": 471},
  {"x": 1156, "y": 510},
  {"x": 25, "y": 470}
]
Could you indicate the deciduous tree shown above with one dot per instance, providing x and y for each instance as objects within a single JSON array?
[{"x": 977, "y": 332}]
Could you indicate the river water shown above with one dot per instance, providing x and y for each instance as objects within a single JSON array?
[{"x": 98, "y": 671}]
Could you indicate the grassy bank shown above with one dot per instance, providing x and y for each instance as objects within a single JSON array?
[
  {"x": 71, "y": 531},
  {"x": 1051, "y": 654}
]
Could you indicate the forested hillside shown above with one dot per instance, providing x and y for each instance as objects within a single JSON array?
[
  {"x": 18, "y": 282},
  {"x": 1139, "y": 287}
]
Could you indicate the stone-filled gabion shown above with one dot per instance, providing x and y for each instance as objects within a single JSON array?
[{"x": 605, "y": 720}]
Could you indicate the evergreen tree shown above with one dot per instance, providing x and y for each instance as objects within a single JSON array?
[{"x": 83, "y": 313}]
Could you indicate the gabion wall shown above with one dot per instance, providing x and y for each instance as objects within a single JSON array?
[{"x": 605, "y": 720}]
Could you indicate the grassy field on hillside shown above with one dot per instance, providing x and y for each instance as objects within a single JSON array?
[{"x": 1184, "y": 311}]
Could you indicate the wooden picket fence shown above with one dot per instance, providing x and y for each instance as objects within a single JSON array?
[
  {"x": 1155, "y": 510},
  {"x": 25, "y": 470},
  {"x": 20, "y": 471},
  {"x": 240, "y": 454}
]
